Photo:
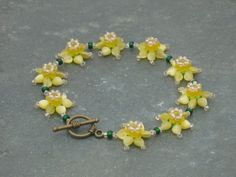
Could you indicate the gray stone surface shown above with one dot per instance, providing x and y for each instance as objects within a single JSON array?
[{"x": 116, "y": 91}]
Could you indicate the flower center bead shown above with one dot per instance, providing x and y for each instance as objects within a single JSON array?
[
  {"x": 176, "y": 113},
  {"x": 54, "y": 97},
  {"x": 110, "y": 36},
  {"x": 151, "y": 41},
  {"x": 134, "y": 126},
  {"x": 183, "y": 63},
  {"x": 194, "y": 89},
  {"x": 49, "y": 68},
  {"x": 73, "y": 44},
  {"x": 152, "y": 44}
]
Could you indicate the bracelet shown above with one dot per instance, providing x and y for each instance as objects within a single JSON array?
[{"x": 132, "y": 132}]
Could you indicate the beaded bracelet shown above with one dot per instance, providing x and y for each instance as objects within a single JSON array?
[{"x": 132, "y": 132}]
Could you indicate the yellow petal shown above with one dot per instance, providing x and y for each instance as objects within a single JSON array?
[
  {"x": 121, "y": 134},
  {"x": 186, "y": 124},
  {"x": 146, "y": 134},
  {"x": 139, "y": 142},
  {"x": 195, "y": 70},
  {"x": 183, "y": 99},
  {"x": 162, "y": 47},
  {"x": 171, "y": 71},
  {"x": 160, "y": 54},
  {"x": 178, "y": 77},
  {"x": 38, "y": 79},
  {"x": 67, "y": 103},
  {"x": 86, "y": 55},
  {"x": 121, "y": 45},
  {"x": 61, "y": 110},
  {"x": 60, "y": 74},
  {"x": 188, "y": 76},
  {"x": 106, "y": 51},
  {"x": 142, "y": 54},
  {"x": 43, "y": 104},
  {"x": 173, "y": 63},
  {"x": 128, "y": 140},
  {"x": 79, "y": 60},
  {"x": 47, "y": 82},
  {"x": 207, "y": 94},
  {"x": 99, "y": 45},
  {"x": 116, "y": 52},
  {"x": 164, "y": 116},
  {"x": 67, "y": 59},
  {"x": 202, "y": 102},
  {"x": 142, "y": 46},
  {"x": 176, "y": 129},
  {"x": 192, "y": 103},
  {"x": 151, "y": 56},
  {"x": 50, "y": 109},
  {"x": 182, "y": 90},
  {"x": 64, "y": 96},
  {"x": 57, "y": 81},
  {"x": 165, "y": 125},
  {"x": 38, "y": 70},
  {"x": 186, "y": 114}
]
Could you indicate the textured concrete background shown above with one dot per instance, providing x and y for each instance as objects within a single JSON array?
[{"x": 116, "y": 91}]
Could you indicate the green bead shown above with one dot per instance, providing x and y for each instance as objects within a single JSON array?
[
  {"x": 157, "y": 130},
  {"x": 109, "y": 134},
  {"x": 131, "y": 44},
  {"x": 169, "y": 58},
  {"x": 65, "y": 117},
  {"x": 189, "y": 110},
  {"x": 44, "y": 88},
  {"x": 59, "y": 61},
  {"x": 90, "y": 45}
]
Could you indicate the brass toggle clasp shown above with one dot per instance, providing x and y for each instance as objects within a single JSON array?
[{"x": 72, "y": 123}]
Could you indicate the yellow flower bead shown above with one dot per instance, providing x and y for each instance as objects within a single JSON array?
[
  {"x": 50, "y": 109},
  {"x": 193, "y": 95},
  {"x": 176, "y": 120},
  {"x": 49, "y": 75},
  {"x": 106, "y": 51},
  {"x": 165, "y": 125},
  {"x": 61, "y": 110},
  {"x": 133, "y": 132},
  {"x": 75, "y": 52},
  {"x": 183, "y": 99},
  {"x": 57, "y": 81},
  {"x": 47, "y": 82},
  {"x": 79, "y": 60},
  {"x": 110, "y": 44},
  {"x": 116, "y": 52},
  {"x": 67, "y": 103},
  {"x": 151, "y": 49},
  {"x": 186, "y": 124},
  {"x": 182, "y": 69},
  {"x": 55, "y": 102},
  {"x": 192, "y": 103},
  {"x": 39, "y": 79},
  {"x": 66, "y": 58},
  {"x": 202, "y": 102},
  {"x": 43, "y": 104},
  {"x": 176, "y": 129}
]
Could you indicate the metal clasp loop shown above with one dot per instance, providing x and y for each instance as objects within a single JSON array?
[{"x": 72, "y": 124}]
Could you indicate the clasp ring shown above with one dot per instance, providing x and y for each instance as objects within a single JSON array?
[{"x": 72, "y": 124}]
